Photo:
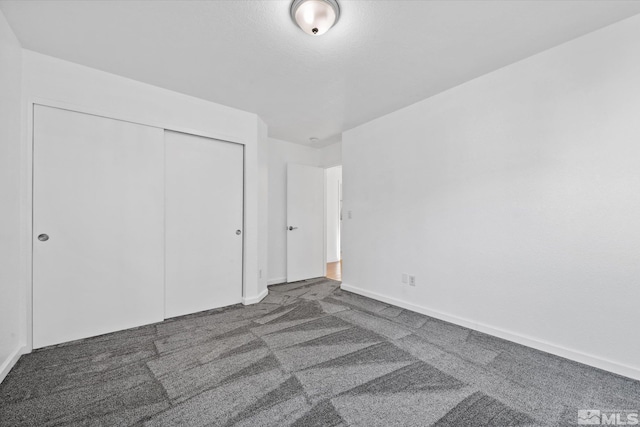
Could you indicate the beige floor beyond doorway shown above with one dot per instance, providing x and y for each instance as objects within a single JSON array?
[{"x": 334, "y": 270}]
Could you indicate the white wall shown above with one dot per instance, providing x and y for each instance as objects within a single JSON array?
[
  {"x": 514, "y": 199},
  {"x": 333, "y": 178},
  {"x": 280, "y": 153},
  {"x": 47, "y": 79},
  {"x": 331, "y": 155},
  {"x": 10, "y": 130}
]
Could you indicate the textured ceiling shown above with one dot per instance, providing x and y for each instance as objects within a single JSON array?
[{"x": 381, "y": 56}]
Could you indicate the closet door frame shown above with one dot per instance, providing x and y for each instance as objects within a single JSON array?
[{"x": 27, "y": 194}]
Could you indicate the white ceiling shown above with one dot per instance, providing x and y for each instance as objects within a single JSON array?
[{"x": 382, "y": 55}]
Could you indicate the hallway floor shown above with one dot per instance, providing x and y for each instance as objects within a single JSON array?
[{"x": 334, "y": 270}]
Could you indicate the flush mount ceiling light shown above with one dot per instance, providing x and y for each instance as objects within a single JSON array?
[{"x": 315, "y": 17}]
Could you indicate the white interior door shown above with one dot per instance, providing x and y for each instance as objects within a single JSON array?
[
  {"x": 305, "y": 222},
  {"x": 98, "y": 196},
  {"x": 204, "y": 221}
]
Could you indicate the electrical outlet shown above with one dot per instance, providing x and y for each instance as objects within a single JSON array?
[
  {"x": 405, "y": 278},
  {"x": 412, "y": 280}
]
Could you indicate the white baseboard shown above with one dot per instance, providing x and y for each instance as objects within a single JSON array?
[
  {"x": 547, "y": 347},
  {"x": 8, "y": 364},
  {"x": 276, "y": 281},
  {"x": 256, "y": 299}
]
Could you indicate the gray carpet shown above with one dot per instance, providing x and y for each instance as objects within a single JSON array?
[{"x": 308, "y": 355}]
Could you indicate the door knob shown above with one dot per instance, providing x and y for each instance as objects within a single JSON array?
[
  {"x": 238, "y": 232},
  {"x": 43, "y": 237},
  {"x": 292, "y": 228}
]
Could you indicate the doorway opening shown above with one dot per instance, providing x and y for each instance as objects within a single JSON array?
[{"x": 333, "y": 215}]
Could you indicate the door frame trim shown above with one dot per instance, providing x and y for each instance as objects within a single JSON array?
[{"x": 26, "y": 196}]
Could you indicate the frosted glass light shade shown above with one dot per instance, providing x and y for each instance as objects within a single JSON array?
[{"x": 315, "y": 17}]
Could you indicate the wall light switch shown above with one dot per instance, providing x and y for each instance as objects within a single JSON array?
[{"x": 405, "y": 278}]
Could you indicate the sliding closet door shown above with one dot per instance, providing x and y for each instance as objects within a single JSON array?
[
  {"x": 98, "y": 254},
  {"x": 204, "y": 223}
]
